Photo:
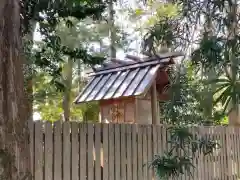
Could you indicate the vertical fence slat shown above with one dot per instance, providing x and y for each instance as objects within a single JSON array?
[
  {"x": 150, "y": 151},
  {"x": 123, "y": 152},
  {"x": 38, "y": 151},
  {"x": 48, "y": 153},
  {"x": 134, "y": 152},
  {"x": 98, "y": 163},
  {"x": 57, "y": 151},
  {"x": 105, "y": 152},
  {"x": 225, "y": 153},
  {"x": 117, "y": 152},
  {"x": 66, "y": 151},
  {"x": 238, "y": 151},
  {"x": 129, "y": 152},
  {"x": 228, "y": 150},
  {"x": 159, "y": 140},
  {"x": 111, "y": 152},
  {"x": 83, "y": 151},
  {"x": 140, "y": 153},
  {"x": 145, "y": 160},
  {"x": 234, "y": 134},
  {"x": 31, "y": 145},
  {"x": 219, "y": 130},
  {"x": 90, "y": 170},
  {"x": 75, "y": 152}
]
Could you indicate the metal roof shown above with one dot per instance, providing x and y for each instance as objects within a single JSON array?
[{"x": 132, "y": 79}]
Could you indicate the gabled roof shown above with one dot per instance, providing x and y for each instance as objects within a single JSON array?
[{"x": 119, "y": 78}]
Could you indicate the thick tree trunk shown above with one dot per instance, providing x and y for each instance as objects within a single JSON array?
[
  {"x": 29, "y": 69},
  {"x": 112, "y": 30},
  {"x": 67, "y": 92},
  {"x": 234, "y": 115},
  {"x": 14, "y": 150}
]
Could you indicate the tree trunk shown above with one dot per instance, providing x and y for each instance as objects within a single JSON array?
[
  {"x": 29, "y": 69},
  {"x": 234, "y": 115},
  {"x": 112, "y": 30},
  {"x": 14, "y": 150},
  {"x": 67, "y": 92}
]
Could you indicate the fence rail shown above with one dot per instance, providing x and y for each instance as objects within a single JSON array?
[{"x": 76, "y": 151}]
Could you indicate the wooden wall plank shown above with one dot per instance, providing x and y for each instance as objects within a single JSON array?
[
  {"x": 145, "y": 152},
  {"x": 66, "y": 151},
  {"x": 149, "y": 150},
  {"x": 83, "y": 151},
  {"x": 219, "y": 130},
  {"x": 57, "y": 151},
  {"x": 129, "y": 152},
  {"x": 97, "y": 147},
  {"x": 75, "y": 151},
  {"x": 111, "y": 152},
  {"x": 123, "y": 152},
  {"x": 134, "y": 152},
  {"x": 228, "y": 150},
  {"x": 48, "y": 153},
  {"x": 31, "y": 145},
  {"x": 90, "y": 169},
  {"x": 234, "y": 134},
  {"x": 38, "y": 174},
  {"x": 238, "y": 150},
  {"x": 105, "y": 152},
  {"x": 117, "y": 152}
]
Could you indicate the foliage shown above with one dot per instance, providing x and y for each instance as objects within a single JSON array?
[
  {"x": 183, "y": 147},
  {"x": 207, "y": 32},
  {"x": 48, "y": 14},
  {"x": 84, "y": 34},
  {"x": 189, "y": 102}
]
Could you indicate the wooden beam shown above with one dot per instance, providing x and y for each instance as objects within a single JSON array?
[
  {"x": 154, "y": 104},
  {"x": 119, "y": 61},
  {"x": 134, "y": 58}
]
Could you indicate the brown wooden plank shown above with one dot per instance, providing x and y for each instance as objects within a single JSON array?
[
  {"x": 129, "y": 151},
  {"x": 31, "y": 145},
  {"x": 200, "y": 159},
  {"x": 111, "y": 152},
  {"x": 105, "y": 152},
  {"x": 97, "y": 148},
  {"x": 211, "y": 163},
  {"x": 48, "y": 153},
  {"x": 75, "y": 150},
  {"x": 221, "y": 166},
  {"x": 155, "y": 140},
  {"x": 164, "y": 136},
  {"x": 123, "y": 152},
  {"x": 90, "y": 169},
  {"x": 140, "y": 153},
  {"x": 149, "y": 150},
  {"x": 225, "y": 153},
  {"x": 238, "y": 150},
  {"x": 134, "y": 152},
  {"x": 57, "y": 151},
  {"x": 66, "y": 151},
  {"x": 145, "y": 160},
  {"x": 235, "y": 152},
  {"x": 83, "y": 151},
  {"x": 207, "y": 169},
  {"x": 117, "y": 152},
  {"x": 38, "y": 155},
  {"x": 159, "y": 140},
  {"x": 228, "y": 148}
]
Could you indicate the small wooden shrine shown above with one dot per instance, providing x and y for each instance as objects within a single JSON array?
[{"x": 128, "y": 91}]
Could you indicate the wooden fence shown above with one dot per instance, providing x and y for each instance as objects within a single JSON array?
[{"x": 76, "y": 151}]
